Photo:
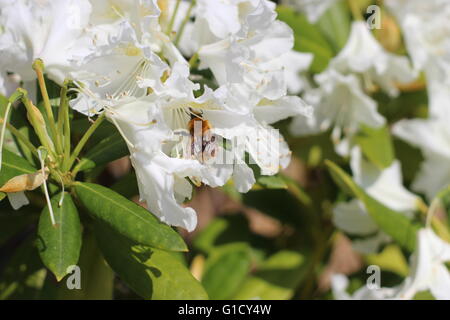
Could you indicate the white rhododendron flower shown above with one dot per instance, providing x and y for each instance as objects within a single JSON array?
[
  {"x": 428, "y": 270},
  {"x": 426, "y": 33},
  {"x": 248, "y": 51},
  {"x": 364, "y": 55},
  {"x": 150, "y": 127},
  {"x": 427, "y": 37},
  {"x": 141, "y": 80},
  {"x": 53, "y": 31},
  {"x": 432, "y": 136},
  {"x": 296, "y": 64},
  {"x": 340, "y": 104},
  {"x": 428, "y": 273},
  {"x": 384, "y": 186}
]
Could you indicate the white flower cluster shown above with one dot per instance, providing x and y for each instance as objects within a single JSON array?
[
  {"x": 427, "y": 35},
  {"x": 128, "y": 59},
  {"x": 342, "y": 104},
  {"x": 340, "y": 100}
]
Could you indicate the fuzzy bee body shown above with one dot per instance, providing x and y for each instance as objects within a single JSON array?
[
  {"x": 203, "y": 143},
  {"x": 198, "y": 142}
]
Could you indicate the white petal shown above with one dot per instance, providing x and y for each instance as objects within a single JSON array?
[
  {"x": 17, "y": 200},
  {"x": 363, "y": 54},
  {"x": 156, "y": 187},
  {"x": 383, "y": 185},
  {"x": 372, "y": 244},
  {"x": 440, "y": 287},
  {"x": 243, "y": 177},
  {"x": 288, "y": 106},
  {"x": 339, "y": 284},
  {"x": 353, "y": 218}
]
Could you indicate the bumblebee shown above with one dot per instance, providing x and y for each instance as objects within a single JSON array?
[{"x": 202, "y": 142}]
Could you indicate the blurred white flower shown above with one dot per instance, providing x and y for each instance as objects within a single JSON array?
[
  {"x": 384, "y": 186},
  {"x": 8, "y": 83},
  {"x": 427, "y": 36},
  {"x": 428, "y": 272},
  {"x": 339, "y": 103},
  {"x": 427, "y": 33},
  {"x": 364, "y": 55},
  {"x": 432, "y": 136},
  {"x": 295, "y": 65},
  {"x": 339, "y": 284}
]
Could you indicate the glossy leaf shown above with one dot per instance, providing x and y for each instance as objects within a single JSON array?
[
  {"x": 225, "y": 270},
  {"x": 376, "y": 144},
  {"x": 96, "y": 281},
  {"x": 127, "y": 186},
  {"x": 59, "y": 246},
  {"x": 13, "y": 165},
  {"x": 228, "y": 229},
  {"x": 128, "y": 218},
  {"x": 272, "y": 182},
  {"x": 390, "y": 259},
  {"x": 395, "y": 224},
  {"x": 335, "y": 24},
  {"x": 276, "y": 279},
  {"x": 151, "y": 273},
  {"x": 109, "y": 149}
]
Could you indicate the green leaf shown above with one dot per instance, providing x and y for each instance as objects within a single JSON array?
[
  {"x": 151, "y": 273},
  {"x": 59, "y": 245},
  {"x": 335, "y": 24},
  {"x": 376, "y": 145},
  {"x": 390, "y": 259},
  {"x": 230, "y": 229},
  {"x": 127, "y": 186},
  {"x": 410, "y": 157},
  {"x": 97, "y": 278},
  {"x": 308, "y": 38},
  {"x": 272, "y": 182},
  {"x": 128, "y": 218},
  {"x": 2, "y": 196},
  {"x": 109, "y": 149},
  {"x": 22, "y": 274},
  {"x": 218, "y": 281},
  {"x": 12, "y": 166},
  {"x": 276, "y": 279},
  {"x": 395, "y": 224}
]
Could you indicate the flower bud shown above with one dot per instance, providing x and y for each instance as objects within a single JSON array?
[{"x": 24, "y": 182}]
